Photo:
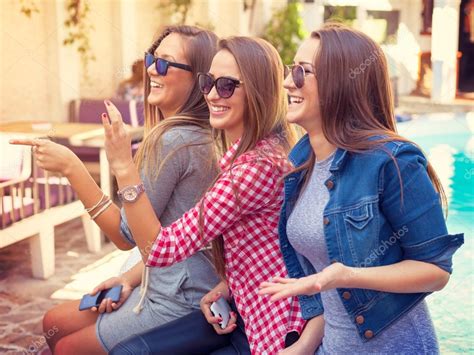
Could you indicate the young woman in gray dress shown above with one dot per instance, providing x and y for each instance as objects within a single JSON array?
[
  {"x": 177, "y": 165},
  {"x": 362, "y": 229}
]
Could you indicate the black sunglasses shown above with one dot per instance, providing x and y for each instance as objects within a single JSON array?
[
  {"x": 225, "y": 85},
  {"x": 162, "y": 65},
  {"x": 298, "y": 73}
]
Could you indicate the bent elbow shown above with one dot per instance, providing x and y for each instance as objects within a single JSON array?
[
  {"x": 124, "y": 246},
  {"x": 442, "y": 280},
  {"x": 119, "y": 242}
]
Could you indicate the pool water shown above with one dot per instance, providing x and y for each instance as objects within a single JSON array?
[{"x": 448, "y": 141}]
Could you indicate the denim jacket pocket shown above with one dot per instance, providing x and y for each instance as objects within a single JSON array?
[
  {"x": 359, "y": 217},
  {"x": 361, "y": 234}
]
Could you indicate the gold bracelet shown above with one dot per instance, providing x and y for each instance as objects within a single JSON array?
[
  {"x": 88, "y": 210},
  {"x": 109, "y": 202}
]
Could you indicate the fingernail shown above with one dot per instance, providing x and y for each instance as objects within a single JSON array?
[{"x": 104, "y": 115}]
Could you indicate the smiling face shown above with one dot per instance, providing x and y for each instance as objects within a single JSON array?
[
  {"x": 169, "y": 92},
  {"x": 303, "y": 108},
  {"x": 227, "y": 114}
]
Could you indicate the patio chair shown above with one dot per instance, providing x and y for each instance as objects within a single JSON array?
[
  {"x": 32, "y": 203},
  {"x": 90, "y": 111}
]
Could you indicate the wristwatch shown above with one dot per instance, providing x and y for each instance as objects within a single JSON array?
[{"x": 130, "y": 193}]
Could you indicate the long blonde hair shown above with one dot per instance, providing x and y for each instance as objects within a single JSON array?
[
  {"x": 201, "y": 45},
  {"x": 261, "y": 70}
]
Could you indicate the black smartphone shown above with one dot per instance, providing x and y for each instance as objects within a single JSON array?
[{"x": 89, "y": 301}]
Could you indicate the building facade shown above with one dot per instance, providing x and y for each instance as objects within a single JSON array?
[{"x": 429, "y": 44}]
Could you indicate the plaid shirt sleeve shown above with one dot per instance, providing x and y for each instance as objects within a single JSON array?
[{"x": 241, "y": 190}]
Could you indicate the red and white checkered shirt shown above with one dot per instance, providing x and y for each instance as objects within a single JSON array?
[{"x": 249, "y": 225}]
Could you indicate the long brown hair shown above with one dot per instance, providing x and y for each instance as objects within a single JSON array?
[
  {"x": 354, "y": 95},
  {"x": 261, "y": 70},
  {"x": 201, "y": 45}
]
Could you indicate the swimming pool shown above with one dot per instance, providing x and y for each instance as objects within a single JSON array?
[{"x": 448, "y": 141}]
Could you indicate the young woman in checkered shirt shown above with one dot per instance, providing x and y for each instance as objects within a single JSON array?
[{"x": 239, "y": 213}]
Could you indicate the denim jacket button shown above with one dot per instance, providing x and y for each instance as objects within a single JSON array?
[
  {"x": 368, "y": 334},
  {"x": 360, "y": 320},
  {"x": 326, "y": 221},
  {"x": 346, "y": 295},
  {"x": 329, "y": 184}
]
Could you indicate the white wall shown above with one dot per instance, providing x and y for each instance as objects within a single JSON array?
[{"x": 39, "y": 76}]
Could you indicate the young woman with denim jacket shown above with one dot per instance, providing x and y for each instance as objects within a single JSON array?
[{"x": 362, "y": 229}]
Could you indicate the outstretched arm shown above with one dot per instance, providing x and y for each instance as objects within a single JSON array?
[
  {"x": 60, "y": 159},
  {"x": 407, "y": 276}
]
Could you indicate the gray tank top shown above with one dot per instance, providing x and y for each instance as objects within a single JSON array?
[{"x": 413, "y": 333}]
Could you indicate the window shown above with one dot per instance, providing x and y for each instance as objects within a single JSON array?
[
  {"x": 383, "y": 26},
  {"x": 426, "y": 17}
]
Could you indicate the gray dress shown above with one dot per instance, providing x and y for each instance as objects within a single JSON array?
[
  {"x": 173, "y": 291},
  {"x": 413, "y": 333}
]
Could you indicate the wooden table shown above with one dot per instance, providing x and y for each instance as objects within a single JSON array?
[{"x": 78, "y": 135}]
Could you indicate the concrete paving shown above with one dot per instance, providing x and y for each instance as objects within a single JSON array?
[{"x": 24, "y": 300}]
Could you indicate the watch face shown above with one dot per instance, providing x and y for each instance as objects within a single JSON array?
[{"x": 130, "y": 194}]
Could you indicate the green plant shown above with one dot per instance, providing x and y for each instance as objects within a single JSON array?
[
  {"x": 79, "y": 31},
  {"x": 285, "y": 30},
  {"x": 78, "y": 25},
  {"x": 341, "y": 14}
]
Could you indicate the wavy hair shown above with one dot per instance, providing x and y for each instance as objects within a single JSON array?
[
  {"x": 355, "y": 97},
  {"x": 201, "y": 45}
]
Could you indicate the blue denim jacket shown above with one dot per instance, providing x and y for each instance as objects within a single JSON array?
[{"x": 368, "y": 222}]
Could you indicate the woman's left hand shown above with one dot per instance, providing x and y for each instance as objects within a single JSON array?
[
  {"x": 333, "y": 276},
  {"x": 118, "y": 143}
]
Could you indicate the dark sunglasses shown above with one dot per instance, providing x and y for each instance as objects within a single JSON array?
[
  {"x": 298, "y": 73},
  {"x": 162, "y": 65},
  {"x": 225, "y": 86}
]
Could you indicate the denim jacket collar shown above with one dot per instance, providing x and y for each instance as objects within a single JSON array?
[{"x": 302, "y": 150}]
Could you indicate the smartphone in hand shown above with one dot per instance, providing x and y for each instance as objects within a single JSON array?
[
  {"x": 89, "y": 301},
  {"x": 221, "y": 308}
]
